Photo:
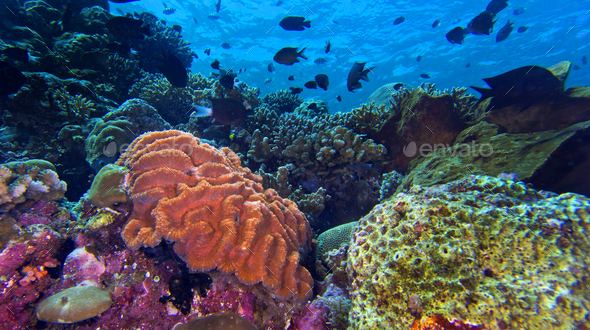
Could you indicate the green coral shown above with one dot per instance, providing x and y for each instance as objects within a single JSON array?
[
  {"x": 334, "y": 238},
  {"x": 481, "y": 250},
  {"x": 106, "y": 189}
]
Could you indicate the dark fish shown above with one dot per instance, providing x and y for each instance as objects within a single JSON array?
[
  {"x": 128, "y": 27},
  {"x": 436, "y": 23},
  {"x": 17, "y": 54},
  {"x": 322, "y": 81},
  {"x": 519, "y": 10},
  {"x": 122, "y": 1},
  {"x": 279, "y": 2},
  {"x": 215, "y": 134},
  {"x": 11, "y": 79},
  {"x": 215, "y": 64},
  {"x": 327, "y": 47},
  {"x": 339, "y": 98},
  {"x": 419, "y": 58},
  {"x": 504, "y": 32},
  {"x": 522, "y": 86},
  {"x": 584, "y": 60},
  {"x": 271, "y": 67},
  {"x": 173, "y": 69},
  {"x": 482, "y": 23},
  {"x": 225, "y": 45},
  {"x": 320, "y": 60},
  {"x": 467, "y": 65},
  {"x": 296, "y": 90},
  {"x": 496, "y": 6},
  {"x": 163, "y": 21},
  {"x": 291, "y": 78},
  {"x": 399, "y": 20},
  {"x": 357, "y": 73},
  {"x": 208, "y": 51},
  {"x": 522, "y": 29},
  {"x": 398, "y": 86},
  {"x": 457, "y": 35},
  {"x": 177, "y": 28},
  {"x": 289, "y": 55},
  {"x": 213, "y": 16},
  {"x": 95, "y": 60},
  {"x": 195, "y": 20},
  {"x": 223, "y": 111},
  {"x": 218, "y": 5},
  {"x": 168, "y": 10},
  {"x": 227, "y": 81},
  {"x": 311, "y": 84},
  {"x": 425, "y": 75},
  {"x": 576, "y": 67},
  {"x": 294, "y": 23}
]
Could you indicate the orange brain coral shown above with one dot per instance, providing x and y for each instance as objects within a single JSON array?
[{"x": 215, "y": 211}]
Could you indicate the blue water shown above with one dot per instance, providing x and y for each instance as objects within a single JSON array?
[{"x": 363, "y": 31}]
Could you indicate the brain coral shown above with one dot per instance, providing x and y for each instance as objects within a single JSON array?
[
  {"x": 482, "y": 250},
  {"x": 215, "y": 211}
]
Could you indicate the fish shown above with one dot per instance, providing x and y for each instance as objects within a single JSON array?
[
  {"x": 122, "y": 1},
  {"x": 425, "y": 75},
  {"x": 482, "y": 23},
  {"x": 436, "y": 23},
  {"x": 419, "y": 58},
  {"x": 279, "y": 2},
  {"x": 213, "y": 17},
  {"x": 504, "y": 32},
  {"x": 519, "y": 10},
  {"x": 399, "y": 20},
  {"x": 296, "y": 90},
  {"x": 320, "y": 60},
  {"x": 11, "y": 79},
  {"x": 128, "y": 27},
  {"x": 195, "y": 20},
  {"x": 398, "y": 86},
  {"x": 271, "y": 67},
  {"x": 522, "y": 29},
  {"x": 457, "y": 35},
  {"x": 225, "y": 45},
  {"x": 291, "y": 78},
  {"x": 339, "y": 98},
  {"x": 95, "y": 60},
  {"x": 17, "y": 54},
  {"x": 223, "y": 111},
  {"x": 208, "y": 51},
  {"x": 227, "y": 81},
  {"x": 168, "y": 10},
  {"x": 467, "y": 65},
  {"x": 177, "y": 28},
  {"x": 322, "y": 81},
  {"x": 173, "y": 69},
  {"x": 327, "y": 47},
  {"x": 294, "y": 23},
  {"x": 289, "y": 55},
  {"x": 163, "y": 21},
  {"x": 267, "y": 81},
  {"x": 496, "y": 6},
  {"x": 522, "y": 86},
  {"x": 576, "y": 67},
  {"x": 584, "y": 60},
  {"x": 357, "y": 73},
  {"x": 218, "y": 5},
  {"x": 311, "y": 84},
  {"x": 215, "y": 64}
]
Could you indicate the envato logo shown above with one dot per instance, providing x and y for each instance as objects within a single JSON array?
[
  {"x": 112, "y": 150},
  {"x": 459, "y": 149}
]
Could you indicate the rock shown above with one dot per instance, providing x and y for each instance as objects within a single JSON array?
[{"x": 383, "y": 94}]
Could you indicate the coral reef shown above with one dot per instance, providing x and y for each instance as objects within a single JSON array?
[
  {"x": 483, "y": 250},
  {"x": 312, "y": 109},
  {"x": 391, "y": 181},
  {"x": 281, "y": 101},
  {"x": 106, "y": 190},
  {"x": 216, "y": 212},
  {"x": 24, "y": 183},
  {"x": 333, "y": 239}
]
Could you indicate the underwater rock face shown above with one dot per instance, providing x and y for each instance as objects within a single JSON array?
[
  {"x": 551, "y": 160},
  {"x": 482, "y": 250}
]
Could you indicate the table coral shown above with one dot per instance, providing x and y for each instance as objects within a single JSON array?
[
  {"x": 216, "y": 213},
  {"x": 482, "y": 250}
]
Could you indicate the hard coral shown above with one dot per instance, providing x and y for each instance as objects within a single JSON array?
[{"x": 215, "y": 211}]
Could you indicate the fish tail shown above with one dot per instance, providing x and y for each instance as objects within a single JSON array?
[
  {"x": 307, "y": 23},
  {"x": 201, "y": 111},
  {"x": 300, "y": 54},
  {"x": 364, "y": 74},
  {"x": 485, "y": 93}
]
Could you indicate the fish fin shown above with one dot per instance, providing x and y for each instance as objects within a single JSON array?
[
  {"x": 356, "y": 86},
  {"x": 301, "y": 53},
  {"x": 485, "y": 93},
  {"x": 201, "y": 111},
  {"x": 364, "y": 74},
  {"x": 307, "y": 23}
]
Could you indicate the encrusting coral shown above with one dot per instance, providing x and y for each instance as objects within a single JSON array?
[
  {"x": 106, "y": 188},
  {"x": 215, "y": 211},
  {"x": 482, "y": 250}
]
